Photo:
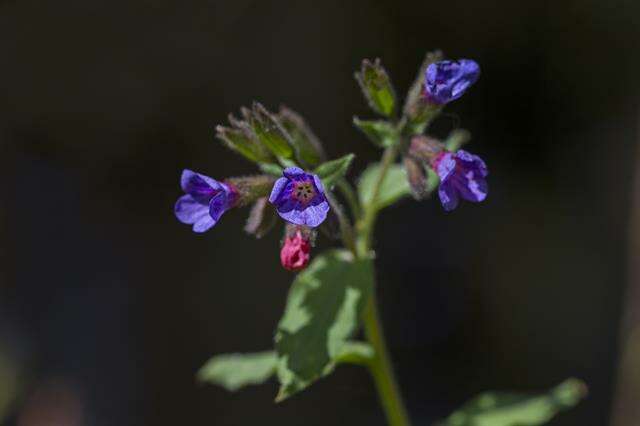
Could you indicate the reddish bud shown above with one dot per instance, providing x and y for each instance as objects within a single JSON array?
[
  {"x": 424, "y": 148},
  {"x": 296, "y": 252},
  {"x": 417, "y": 177}
]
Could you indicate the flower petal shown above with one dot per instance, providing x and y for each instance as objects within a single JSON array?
[
  {"x": 472, "y": 187},
  {"x": 292, "y": 172},
  {"x": 204, "y": 224},
  {"x": 318, "y": 183},
  {"x": 191, "y": 212},
  {"x": 199, "y": 186},
  {"x": 278, "y": 187},
  {"x": 218, "y": 205},
  {"x": 448, "y": 196},
  {"x": 311, "y": 215},
  {"x": 473, "y": 162},
  {"x": 446, "y": 166}
]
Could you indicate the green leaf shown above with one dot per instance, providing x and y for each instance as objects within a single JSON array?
[
  {"x": 508, "y": 409},
  {"x": 394, "y": 186},
  {"x": 271, "y": 169},
  {"x": 270, "y": 132},
  {"x": 333, "y": 170},
  {"x": 242, "y": 141},
  {"x": 323, "y": 311},
  {"x": 307, "y": 146},
  {"x": 380, "y": 132},
  {"x": 376, "y": 87},
  {"x": 355, "y": 353},
  {"x": 234, "y": 371}
]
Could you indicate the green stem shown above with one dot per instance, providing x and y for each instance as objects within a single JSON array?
[
  {"x": 381, "y": 369},
  {"x": 380, "y": 366},
  {"x": 350, "y": 195},
  {"x": 346, "y": 230},
  {"x": 366, "y": 224}
]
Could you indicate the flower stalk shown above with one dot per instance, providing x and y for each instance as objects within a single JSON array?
[{"x": 380, "y": 366}]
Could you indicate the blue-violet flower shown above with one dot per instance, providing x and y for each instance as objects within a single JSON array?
[
  {"x": 299, "y": 198},
  {"x": 461, "y": 175},
  {"x": 205, "y": 202},
  {"x": 446, "y": 81}
]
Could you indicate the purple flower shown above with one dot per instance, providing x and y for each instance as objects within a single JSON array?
[
  {"x": 299, "y": 198},
  {"x": 461, "y": 175},
  {"x": 446, "y": 81},
  {"x": 205, "y": 202}
]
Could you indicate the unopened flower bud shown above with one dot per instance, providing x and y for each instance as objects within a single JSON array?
[
  {"x": 307, "y": 145},
  {"x": 417, "y": 177},
  {"x": 376, "y": 87},
  {"x": 296, "y": 248},
  {"x": 241, "y": 139},
  {"x": 424, "y": 148}
]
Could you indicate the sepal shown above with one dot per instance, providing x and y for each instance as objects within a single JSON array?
[
  {"x": 250, "y": 188},
  {"x": 269, "y": 131},
  {"x": 417, "y": 111}
]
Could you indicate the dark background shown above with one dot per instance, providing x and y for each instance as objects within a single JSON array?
[{"x": 109, "y": 305}]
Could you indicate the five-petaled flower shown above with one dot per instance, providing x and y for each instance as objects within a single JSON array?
[
  {"x": 299, "y": 198},
  {"x": 461, "y": 175},
  {"x": 446, "y": 81},
  {"x": 205, "y": 202}
]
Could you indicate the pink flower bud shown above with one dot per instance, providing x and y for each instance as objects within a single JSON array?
[{"x": 296, "y": 252}]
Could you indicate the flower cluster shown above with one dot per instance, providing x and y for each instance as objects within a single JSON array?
[
  {"x": 460, "y": 174},
  {"x": 285, "y": 149},
  {"x": 298, "y": 197}
]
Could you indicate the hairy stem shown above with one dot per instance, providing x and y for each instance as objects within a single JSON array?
[
  {"x": 366, "y": 224},
  {"x": 350, "y": 196},
  {"x": 380, "y": 366},
  {"x": 381, "y": 369},
  {"x": 346, "y": 230}
]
